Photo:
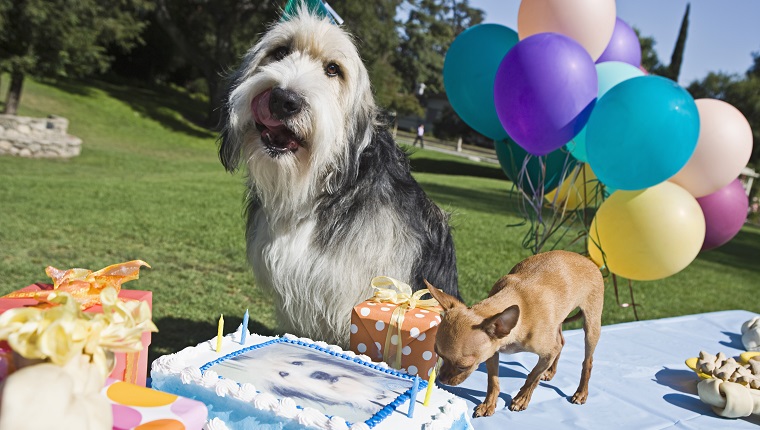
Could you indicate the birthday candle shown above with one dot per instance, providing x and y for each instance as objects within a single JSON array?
[
  {"x": 244, "y": 328},
  {"x": 431, "y": 382},
  {"x": 413, "y": 396},
  {"x": 219, "y": 334}
]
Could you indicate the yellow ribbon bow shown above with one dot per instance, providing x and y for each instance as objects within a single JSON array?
[
  {"x": 84, "y": 285},
  {"x": 406, "y": 300}
]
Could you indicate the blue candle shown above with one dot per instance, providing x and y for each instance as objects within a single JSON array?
[
  {"x": 244, "y": 328},
  {"x": 413, "y": 396}
]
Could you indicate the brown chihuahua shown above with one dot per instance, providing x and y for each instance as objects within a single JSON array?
[{"x": 523, "y": 312}]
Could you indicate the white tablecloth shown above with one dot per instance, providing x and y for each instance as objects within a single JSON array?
[{"x": 639, "y": 379}]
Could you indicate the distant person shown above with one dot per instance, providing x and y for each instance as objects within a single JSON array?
[{"x": 420, "y": 136}]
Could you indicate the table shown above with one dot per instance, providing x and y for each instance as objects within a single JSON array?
[{"x": 639, "y": 379}]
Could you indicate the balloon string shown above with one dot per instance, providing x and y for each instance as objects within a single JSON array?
[{"x": 633, "y": 303}]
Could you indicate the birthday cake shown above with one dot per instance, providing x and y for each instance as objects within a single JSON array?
[{"x": 295, "y": 383}]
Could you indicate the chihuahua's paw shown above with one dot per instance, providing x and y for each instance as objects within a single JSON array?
[
  {"x": 548, "y": 375},
  {"x": 519, "y": 403},
  {"x": 484, "y": 410},
  {"x": 579, "y": 397}
]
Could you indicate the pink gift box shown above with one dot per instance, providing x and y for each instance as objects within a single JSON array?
[
  {"x": 139, "y": 407},
  {"x": 130, "y": 367}
]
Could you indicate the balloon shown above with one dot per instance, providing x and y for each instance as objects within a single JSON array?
[
  {"x": 469, "y": 71},
  {"x": 725, "y": 213},
  {"x": 609, "y": 74},
  {"x": 579, "y": 189},
  {"x": 723, "y": 149},
  {"x": 511, "y": 157},
  {"x": 648, "y": 234},
  {"x": 544, "y": 91},
  {"x": 641, "y": 132},
  {"x": 624, "y": 45},
  {"x": 589, "y": 22}
]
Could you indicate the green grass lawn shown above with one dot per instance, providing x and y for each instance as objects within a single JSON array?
[{"x": 148, "y": 185}]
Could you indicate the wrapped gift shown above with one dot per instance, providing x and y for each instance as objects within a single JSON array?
[
  {"x": 397, "y": 326},
  {"x": 130, "y": 367},
  {"x": 139, "y": 407}
]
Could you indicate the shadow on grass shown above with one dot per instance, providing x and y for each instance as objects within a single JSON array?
[
  {"x": 176, "y": 334},
  {"x": 742, "y": 252},
  {"x": 478, "y": 200},
  {"x": 446, "y": 167},
  {"x": 172, "y": 109}
]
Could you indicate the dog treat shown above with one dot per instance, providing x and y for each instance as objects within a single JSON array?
[
  {"x": 751, "y": 334},
  {"x": 727, "y": 369},
  {"x": 279, "y": 380},
  {"x": 729, "y": 399}
]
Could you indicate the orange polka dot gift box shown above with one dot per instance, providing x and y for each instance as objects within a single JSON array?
[{"x": 396, "y": 326}]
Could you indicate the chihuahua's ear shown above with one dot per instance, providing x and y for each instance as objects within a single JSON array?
[
  {"x": 446, "y": 301},
  {"x": 502, "y": 323}
]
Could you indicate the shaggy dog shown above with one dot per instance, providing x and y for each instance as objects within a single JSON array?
[{"x": 331, "y": 201}]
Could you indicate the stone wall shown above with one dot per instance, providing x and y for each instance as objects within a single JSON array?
[{"x": 37, "y": 137}]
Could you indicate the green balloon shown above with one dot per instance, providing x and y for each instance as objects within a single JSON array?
[{"x": 512, "y": 158}]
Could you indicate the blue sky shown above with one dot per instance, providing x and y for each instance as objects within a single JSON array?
[{"x": 723, "y": 34}]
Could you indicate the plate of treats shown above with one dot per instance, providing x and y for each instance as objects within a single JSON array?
[{"x": 744, "y": 370}]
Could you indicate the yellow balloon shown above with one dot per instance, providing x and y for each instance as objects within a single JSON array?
[
  {"x": 580, "y": 188},
  {"x": 647, "y": 234}
]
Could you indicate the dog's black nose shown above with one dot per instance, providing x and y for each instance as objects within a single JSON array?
[{"x": 285, "y": 103}]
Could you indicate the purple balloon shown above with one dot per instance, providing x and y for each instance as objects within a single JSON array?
[
  {"x": 544, "y": 91},
  {"x": 725, "y": 213},
  {"x": 624, "y": 46}
]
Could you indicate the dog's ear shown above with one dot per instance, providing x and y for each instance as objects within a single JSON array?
[
  {"x": 445, "y": 300},
  {"x": 228, "y": 141},
  {"x": 499, "y": 325}
]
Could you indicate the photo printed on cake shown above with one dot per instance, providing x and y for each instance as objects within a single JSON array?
[{"x": 330, "y": 384}]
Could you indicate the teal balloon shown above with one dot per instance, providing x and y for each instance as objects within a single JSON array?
[
  {"x": 512, "y": 157},
  {"x": 609, "y": 73},
  {"x": 469, "y": 70},
  {"x": 642, "y": 132}
]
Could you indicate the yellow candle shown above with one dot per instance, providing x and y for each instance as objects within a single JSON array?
[
  {"x": 219, "y": 334},
  {"x": 431, "y": 382}
]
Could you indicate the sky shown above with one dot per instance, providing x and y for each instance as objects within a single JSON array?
[{"x": 722, "y": 35}]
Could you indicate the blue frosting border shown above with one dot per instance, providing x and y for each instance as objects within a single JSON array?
[{"x": 372, "y": 421}]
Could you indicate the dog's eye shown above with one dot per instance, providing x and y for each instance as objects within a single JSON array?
[
  {"x": 332, "y": 70},
  {"x": 297, "y": 363},
  {"x": 280, "y": 53}
]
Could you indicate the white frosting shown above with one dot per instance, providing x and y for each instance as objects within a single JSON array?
[
  {"x": 190, "y": 375},
  {"x": 247, "y": 392},
  {"x": 215, "y": 424},
  {"x": 185, "y": 365},
  {"x": 287, "y": 408},
  {"x": 209, "y": 379},
  {"x": 337, "y": 423},
  {"x": 265, "y": 401},
  {"x": 226, "y": 388},
  {"x": 312, "y": 418}
]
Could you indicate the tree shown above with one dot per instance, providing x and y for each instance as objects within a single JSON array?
[
  {"x": 60, "y": 38},
  {"x": 427, "y": 33},
  {"x": 674, "y": 69},
  {"x": 212, "y": 35},
  {"x": 375, "y": 29},
  {"x": 649, "y": 60}
]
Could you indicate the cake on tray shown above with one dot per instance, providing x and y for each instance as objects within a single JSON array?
[{"x": 296, "y": 383}]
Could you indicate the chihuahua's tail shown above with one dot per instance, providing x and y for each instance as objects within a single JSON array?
[{"x": 575, "y": 317}]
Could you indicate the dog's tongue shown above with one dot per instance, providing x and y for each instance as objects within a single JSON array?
[{"x": 261, "y": 112}]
